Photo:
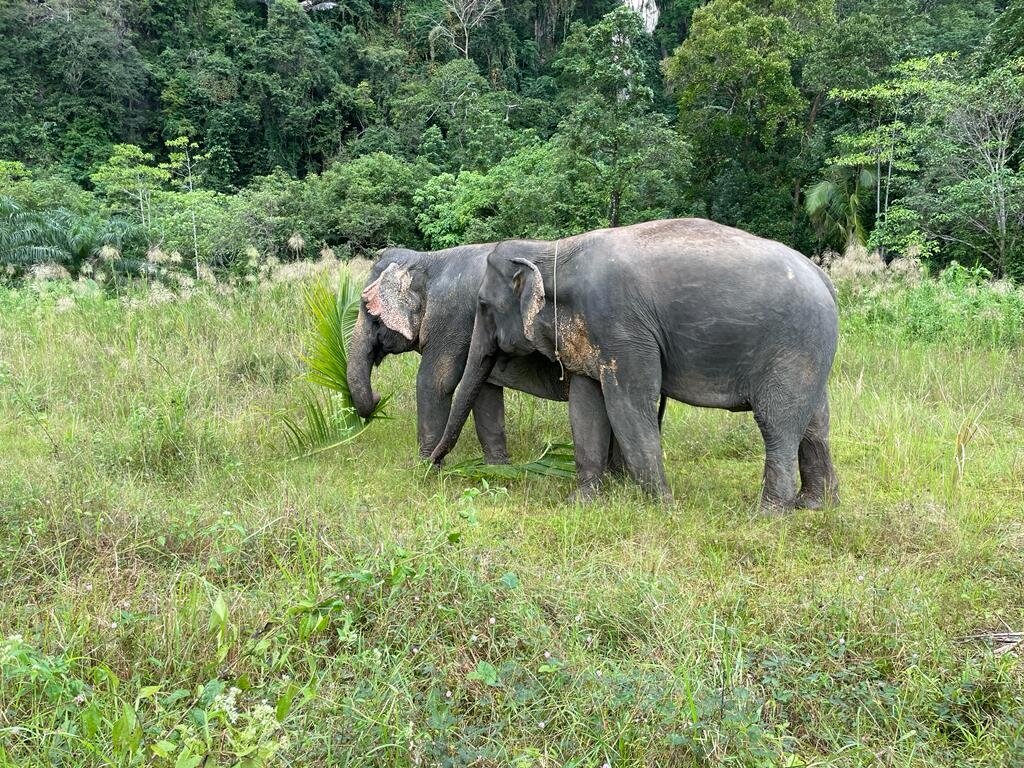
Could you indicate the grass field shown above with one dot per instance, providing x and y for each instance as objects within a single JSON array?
[{"x": 177, "y": 592}]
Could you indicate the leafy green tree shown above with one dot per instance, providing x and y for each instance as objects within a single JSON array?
[
  {"x": 742, "y": 108},
  {"x": 367, "y": 203},
  {"x": 976, "y": 195},
  {"x": 896, "y": 126},
  {"x": 524, "y": 195},
  {"x": 461, "y": 104},
  {"x": 128, "y": 180},
  {"x": 612, "y": 132},
  {"x": 184, "y": 166}
]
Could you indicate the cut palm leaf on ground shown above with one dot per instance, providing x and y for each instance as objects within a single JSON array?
[
  {"x": 329, "y": 417},
  {"x": 556, "y": 460}
]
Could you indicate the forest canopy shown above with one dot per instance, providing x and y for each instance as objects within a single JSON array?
[{"x": 138, "y": 135}]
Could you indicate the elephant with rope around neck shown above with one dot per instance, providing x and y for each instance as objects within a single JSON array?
[{"x": 705, "y": 314}]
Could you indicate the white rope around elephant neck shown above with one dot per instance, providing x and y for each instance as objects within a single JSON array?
[{"x": 554, "y": 290}]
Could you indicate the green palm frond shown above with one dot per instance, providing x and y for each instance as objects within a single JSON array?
[
  {"x": 329, "y": 419},
  {"x": 556, "y": 460},
  {"x": 334, "y": 315},
  {"x": 327, "y": 423}
]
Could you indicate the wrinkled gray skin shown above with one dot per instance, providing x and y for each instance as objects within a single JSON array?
[
  {"x": 705, "y": 314},
  {"x": 426, "y": 301}
]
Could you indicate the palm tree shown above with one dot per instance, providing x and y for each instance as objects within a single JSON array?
[
  {"x": 25, "y": 239},
  {"x": 55, "y": 236},
  {"x": 838, "y": 206}
]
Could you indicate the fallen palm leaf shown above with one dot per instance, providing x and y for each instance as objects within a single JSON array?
[
  {"x": 1000, "y": 642},
  {"x": 557, "y": 460},
  {"x": 330, "y": 418}
]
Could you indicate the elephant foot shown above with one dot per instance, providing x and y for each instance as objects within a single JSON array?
[
  {"x": 775, "y": 508},
  {"x": 584, "y": 494},
  {"x": 816, "y": 500},
  {"x": 499, "y": 458}
]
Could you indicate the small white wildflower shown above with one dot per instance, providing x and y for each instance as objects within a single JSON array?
[
  {"x": 492, "y": 621},
  {"x": 447, "y": 694},
  {"x": 597, "y": 672},
  {"x": 472, "y": 638},
  {"x": 88, "y": 587},
  {"x": 541, "y": 725},
  {"x": 547, "y": 654},
  {"x": 415, "y": 649},
  {"x": 113, "y": 625}
]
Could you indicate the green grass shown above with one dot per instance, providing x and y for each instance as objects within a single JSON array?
[{"x": 158, "y": 548}]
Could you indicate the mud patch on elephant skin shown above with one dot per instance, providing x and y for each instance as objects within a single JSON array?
[
  {"x": 609, "y": 372},
  {"x": 578, "y": 353}
]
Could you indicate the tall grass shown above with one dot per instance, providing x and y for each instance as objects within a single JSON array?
[{"x": 176, "y": 591}]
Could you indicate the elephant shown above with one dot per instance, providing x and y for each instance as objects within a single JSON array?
[
  {"x": 426, "y": 301},
  {"x": 703, "y": 313}
]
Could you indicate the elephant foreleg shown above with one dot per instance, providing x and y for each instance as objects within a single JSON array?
[
  {"x": 433, "y": 402},
  {"x": 632, "y": 391},
  {"x": 591, "y": 432},
  {"x": 489, "y": 419}
]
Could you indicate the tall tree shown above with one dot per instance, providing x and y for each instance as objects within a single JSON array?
[{"x": 612, "y": 129}]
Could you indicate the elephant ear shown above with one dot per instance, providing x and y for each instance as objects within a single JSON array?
[
  {"x": 392, "y": 298},
  {"x": 530, "y": 286}
]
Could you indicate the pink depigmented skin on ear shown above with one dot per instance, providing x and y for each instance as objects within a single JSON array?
[
  {"x": 393, "y": 307},
  {"x": 371, "y": 295}
]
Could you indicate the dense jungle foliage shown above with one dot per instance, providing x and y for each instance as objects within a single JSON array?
[{"x": 138, "y": 135}]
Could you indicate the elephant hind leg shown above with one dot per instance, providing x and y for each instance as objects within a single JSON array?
[
  {"x": 782, "y": 416},
  {"x": 819, "y": 484}
]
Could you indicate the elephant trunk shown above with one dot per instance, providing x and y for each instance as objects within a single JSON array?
[
  {"x": 360, "y": 362},
  {"x": 480, "y": 363}
]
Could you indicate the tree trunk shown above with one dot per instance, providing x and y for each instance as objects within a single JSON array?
[{"x": 613, "y": 208}]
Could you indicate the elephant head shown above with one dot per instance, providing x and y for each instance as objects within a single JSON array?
[
  {"x": 510, "y": 301},
  {"x": 390, "y": 314}
]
